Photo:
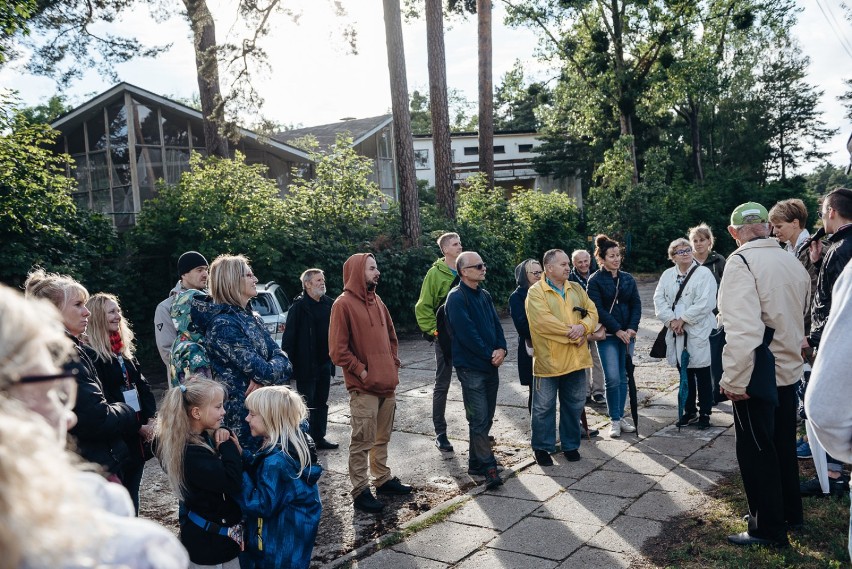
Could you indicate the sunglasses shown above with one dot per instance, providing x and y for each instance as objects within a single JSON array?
[
  {"x": 534, "y": 273},
  {"x": 478, "y": 267}
]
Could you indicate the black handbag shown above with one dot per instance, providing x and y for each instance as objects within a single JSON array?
[{"x": 658, "y": 350}]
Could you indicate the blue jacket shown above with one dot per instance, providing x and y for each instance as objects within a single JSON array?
[
  {"x": 282, "y": 510},
  {"x": 475, "y": 326},
  {"x": 624, "y": 300},
  {"x": 240, "y": 350}
]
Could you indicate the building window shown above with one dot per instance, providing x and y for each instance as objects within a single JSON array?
[
  {"x": 500, "y": 150},
  {"x": 471, "y": 150},
  {"x": 525, "y": 147},
  {"x": 421, "y": 159}
]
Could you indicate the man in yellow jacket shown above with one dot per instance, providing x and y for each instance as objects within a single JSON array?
[{"x": 561, "y": 315}]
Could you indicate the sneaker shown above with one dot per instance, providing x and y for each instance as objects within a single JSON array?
[
  {"x": 572, "y": 455},
  {"x": 811, "y": 488},
  {"x": 703, "y": 422},
  {"x": 325, "y": 444},
  {"x": 481, "y": 471},
  {"x": 542, "y": 458},
  {"x": 839, "y": 486},
  {"x": 492, "y": 441},
  {"x": 615, "y": 429},
  {"x": 627, "y": 427},
  {"x": 687, "y": 420},
  {"x": 592, "y": 433},
  {"x": 492, "y": 478},
  {"x": 598, "y": 399},
  {"x": 394, "y": 486},
  {"x": 443, "y": 443},
  {"x": 803, "y": 451},
  {"x": 367, "y": 503}
]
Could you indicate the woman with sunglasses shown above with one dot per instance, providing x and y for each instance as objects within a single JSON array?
[
  {"x": 101, "y": 425},
  {"x": 616, "y": 297},
  {"x": 54, "y": 513},
  {"x": 526, "y": 274},
  {"x": 690, "y": 321},
  {"x": 112, "y": 350}
]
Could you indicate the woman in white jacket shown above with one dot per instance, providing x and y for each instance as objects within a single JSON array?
[{"x": 691, "y": 320}]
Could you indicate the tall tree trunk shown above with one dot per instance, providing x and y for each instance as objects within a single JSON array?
[
  {"x": 695, "y": 131},
  {"x": 445, "y": 194},
  {"x": 212, "y": 104},
  {"x": 486, "y": 91},
  {"x": 409, "y": 204}
]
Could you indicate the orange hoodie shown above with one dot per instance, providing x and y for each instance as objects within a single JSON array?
[{"x": 361, "y": 335}]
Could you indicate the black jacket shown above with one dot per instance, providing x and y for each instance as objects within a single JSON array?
[
  {"x": 213, "y": 484},
  {"x": 301, "y": 333},
  {"x": 518, "y": 312},
  {"x": 833, "y": 263},
  {"x": 101, "y": 425},
  {"x": 114, "y": 384},
  {"x": 623, "y": 299}
]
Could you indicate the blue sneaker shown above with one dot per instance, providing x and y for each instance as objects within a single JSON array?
[{"x": 803, "y": 451}]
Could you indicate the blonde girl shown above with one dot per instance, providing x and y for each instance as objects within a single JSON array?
[
  {"x": 280, "y": 497},
  {"x": 203, "y": 464}
]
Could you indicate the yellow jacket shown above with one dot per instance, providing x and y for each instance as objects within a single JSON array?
[{"x": 550, "y": 316}]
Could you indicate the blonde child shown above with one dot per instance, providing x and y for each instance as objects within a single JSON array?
[
  {"x": 203, "y": 464},
  {"x": 280, "y": 497}
]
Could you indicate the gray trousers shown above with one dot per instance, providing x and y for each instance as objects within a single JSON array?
[
  {"x": 595, "y": 374},
  {"x": 443, "y": 376}
]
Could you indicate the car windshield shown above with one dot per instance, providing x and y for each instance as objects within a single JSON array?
[
  {"x": 282, "y": 299},
  {"x": 262, "y": 304}
]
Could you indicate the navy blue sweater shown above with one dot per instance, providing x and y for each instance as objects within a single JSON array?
[
  {"x": 475, "y": 327},
  {"x": 623, "y": 299}
]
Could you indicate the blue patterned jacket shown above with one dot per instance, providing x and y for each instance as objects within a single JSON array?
[
  {"x": 240, "y": 350},
  {"x": 282, "y": 510}
]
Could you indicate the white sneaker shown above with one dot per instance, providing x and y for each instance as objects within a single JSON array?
[
  {"x": 615, "y": 430},
  {"x": 627, "y": 427}
]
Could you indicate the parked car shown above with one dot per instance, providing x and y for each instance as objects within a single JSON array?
[{"x": 272, "y": 305}]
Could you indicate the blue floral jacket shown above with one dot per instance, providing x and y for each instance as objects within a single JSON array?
[
  {"x": 282, "y": 510},
  {"x": 240, "y": 350}
]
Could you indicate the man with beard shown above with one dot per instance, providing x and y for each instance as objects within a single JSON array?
[
  {"x": 362, "y": 341},
  {"x": 306, "y": 343}
]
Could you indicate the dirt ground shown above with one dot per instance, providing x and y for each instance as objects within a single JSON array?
[{"x": 436, "y": 476}]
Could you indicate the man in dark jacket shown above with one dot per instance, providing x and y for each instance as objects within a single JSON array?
[
  {"x": 306, "y": 343},
  {"x": 581, "y": 263},
  {"x": 479, "y": 348},
  {"x": 836, "y": 214}
]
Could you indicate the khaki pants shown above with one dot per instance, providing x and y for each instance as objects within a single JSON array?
[{"x": 372, "y": 423}]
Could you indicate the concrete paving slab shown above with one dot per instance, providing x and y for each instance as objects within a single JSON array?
[
  {"x": 626, "y": 534},
  {"x": 671, "y": 445},
  {"x": 562, "y": 468},
  {"x": 552, "y": 539},
  {"x": 661, "y": 411},
  {"x": 661, "y": 506},
  {"x": 593, "y": 558},
  {"x": 498, "y": 559},
  {"x": 448, "y": 542},
  {"x": 720, "y": 457},
  {"x": 492, "y": 511},
  {"x": 387, "y": 558},
  {"x": 603, "y": 448},
  {"x": 639, "y": 463},
  {"x": 583, "y": 507},
  {"x": 624, "y": 484},
  {"x": 529, "y": 487},
  {"x": 689, "y": 481}
]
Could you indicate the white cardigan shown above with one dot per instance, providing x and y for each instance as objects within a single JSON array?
[{"x": 695, "y": 307}]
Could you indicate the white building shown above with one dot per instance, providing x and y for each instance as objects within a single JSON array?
[{"x": 513, "y": 154}]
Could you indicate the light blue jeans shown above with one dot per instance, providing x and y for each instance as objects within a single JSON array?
[
  {"x": 613, "y": 354},
  {"x": 571, "y": 389}
]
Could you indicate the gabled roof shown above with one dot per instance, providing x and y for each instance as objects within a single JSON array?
[
  {"x": 83, "y": 111},
  {"x": 326, "y": 134}
]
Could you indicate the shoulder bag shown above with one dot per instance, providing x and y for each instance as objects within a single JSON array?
[{"x": 658, "y": 350}]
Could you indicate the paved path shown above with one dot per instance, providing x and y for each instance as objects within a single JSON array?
[{"x": 593, "y": 513}]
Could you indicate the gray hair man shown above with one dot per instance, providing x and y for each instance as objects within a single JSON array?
[
  {"x": 763, "y": 287},
  {"x": 581, "y": 262}
]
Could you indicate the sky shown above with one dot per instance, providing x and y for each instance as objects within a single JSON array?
[{"x": 314, "y": 80}]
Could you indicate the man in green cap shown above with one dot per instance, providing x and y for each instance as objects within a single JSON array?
[{"x": 763, "y": 287}]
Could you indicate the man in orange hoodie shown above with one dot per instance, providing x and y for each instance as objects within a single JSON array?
[{"x": 362, "y": 341}]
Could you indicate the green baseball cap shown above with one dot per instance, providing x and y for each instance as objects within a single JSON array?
[{"x": 748, "y": 213}]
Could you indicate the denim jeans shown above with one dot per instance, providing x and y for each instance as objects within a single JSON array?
[
  {"x": 849, "y": 543},
  {"x": 571, "y": 389},
  {"x": 479, "y": 392},
  {"x": 613, "y": 354}
]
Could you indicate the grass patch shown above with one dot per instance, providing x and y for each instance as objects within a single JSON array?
[
  {"x": 698, "y": 539},
  {"x": 398, "y": 536}
]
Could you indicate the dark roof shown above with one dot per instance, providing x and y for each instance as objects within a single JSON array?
[{"x": 326, "y": 134}]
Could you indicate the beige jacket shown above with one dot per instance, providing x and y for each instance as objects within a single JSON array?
[{"x": 774, "y": 291}]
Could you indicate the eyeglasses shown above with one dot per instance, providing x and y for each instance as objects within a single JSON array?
[
  {"x": 478, "y": 267},
  {"x": 683, "y": 251},
  {"x": 70, "y": 374},
  {"x": 820, "y": 213},
  {"x": 534, "y": 273}
]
